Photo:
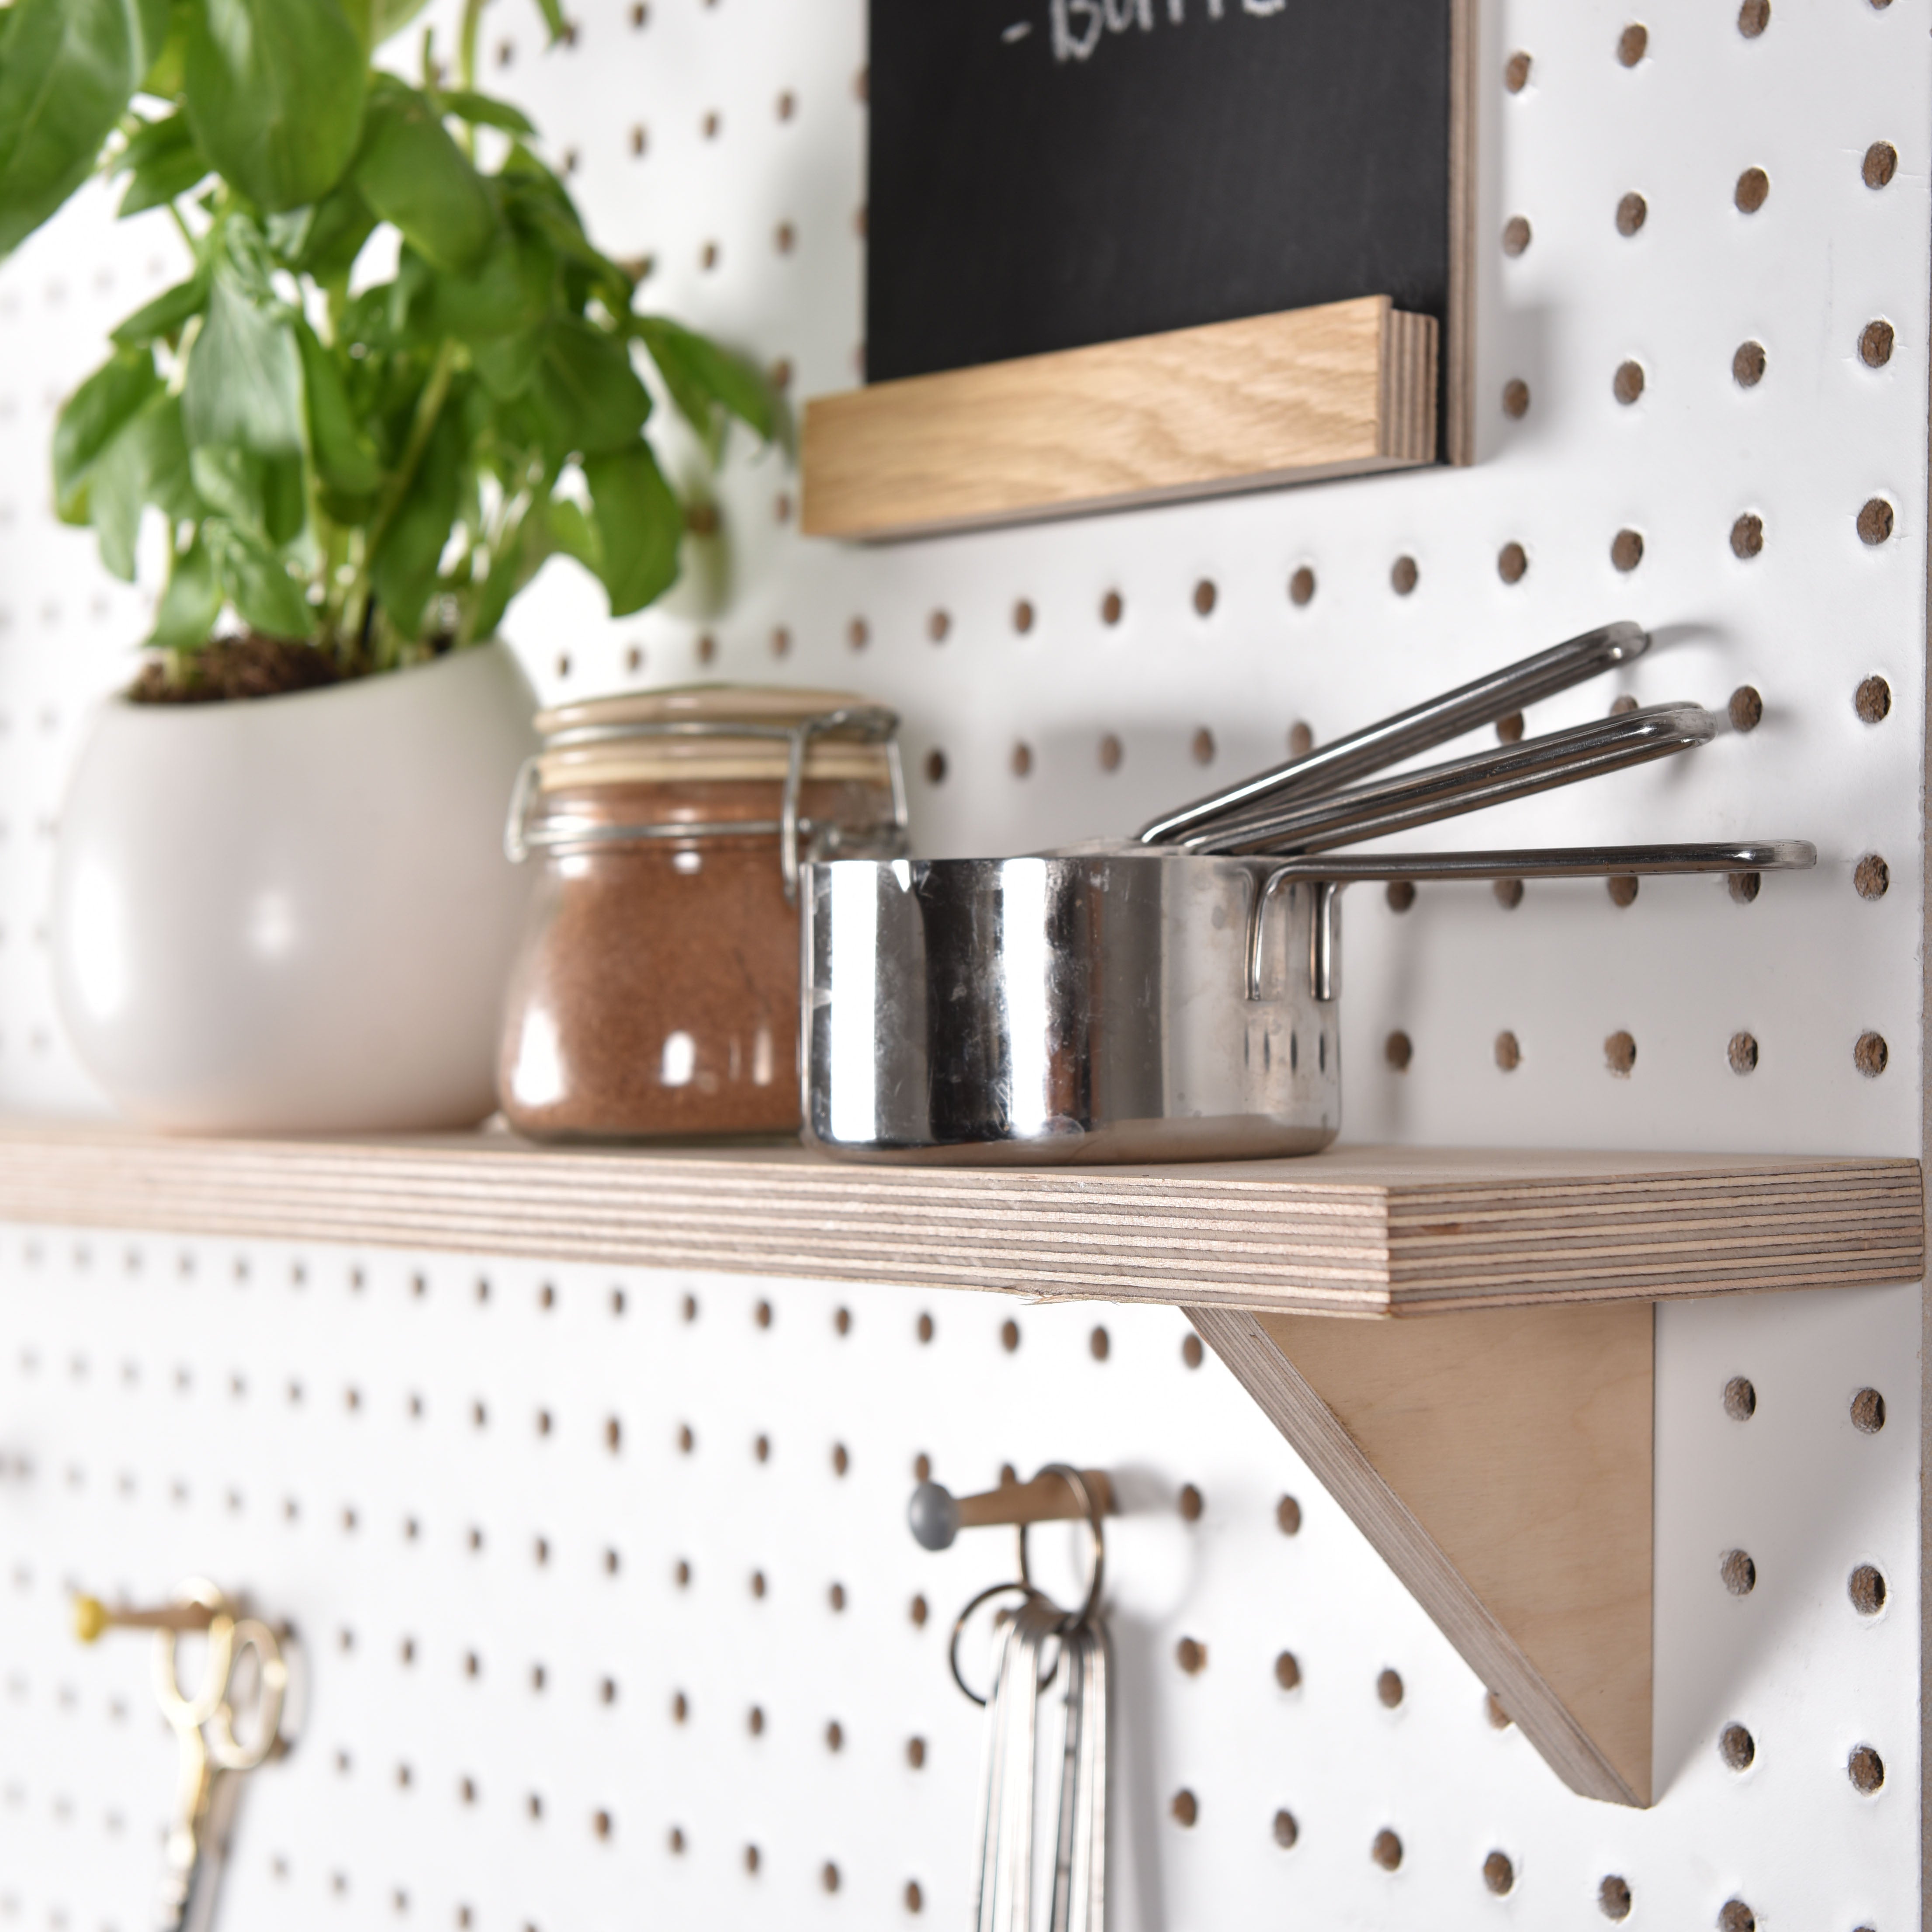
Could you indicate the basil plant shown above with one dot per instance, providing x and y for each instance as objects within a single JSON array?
[{"x": 375, "y": 469}]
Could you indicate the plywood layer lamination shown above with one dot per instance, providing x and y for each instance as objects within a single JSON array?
[
  {"x": 1340, "y": 390},
  {"x": 1357, "y": 1231}
]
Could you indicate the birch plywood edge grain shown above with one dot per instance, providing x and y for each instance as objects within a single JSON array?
[
  {"x": 1500, "y": 1464},
  {"x": 1334, "y": 391},
  {"x": 1358, "y": 1231}
]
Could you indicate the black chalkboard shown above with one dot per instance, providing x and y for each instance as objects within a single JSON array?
[{"x": 1046, "y": 174}]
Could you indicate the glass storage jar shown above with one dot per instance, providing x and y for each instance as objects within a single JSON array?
[{"x": 656, "y": 994}]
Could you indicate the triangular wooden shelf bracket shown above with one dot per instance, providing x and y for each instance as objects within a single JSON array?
[{"x": 1499, "y": 1461}]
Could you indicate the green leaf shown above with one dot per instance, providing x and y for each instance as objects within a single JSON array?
[
  {"x": 703, "y": 378},
  {"x": 509, "y": 293},
  {"x": 166, "y": 78},
  {"x": 191, "y": 602},
  {"x": 507, "y": 365},
  {"x": 639, "y": 524},
  {"x": 166, "y": 315},
  {"x": 90, "y": 419},
  {"x": 340, "y": 224},
  {"x": 404, "y": 573},
  {"x": 67, "y": 68},
  {"x": 257, "y": 582},
  {"x": 411, "y": 173},
  {"x": 552, "y": 12},
  {"x": 260, "y": 494},
  {"x": 165, "y": 162},
  {"x": 147, "y": 462},
  {"x": 587, "y": 398},
  {"x": 391, "y": 17},
  {"x": 275, "y": 91},
  {"x": 244, "y": 374},
  {"x": 483, "y": 110},
  {"x": 345, "y": 458}
]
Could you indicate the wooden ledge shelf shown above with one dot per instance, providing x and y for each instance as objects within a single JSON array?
[
  {"x": 1500, "y": 1463},
  {"x": 1357, "y": 1231},
  {"x": 1340, "y": 390}
]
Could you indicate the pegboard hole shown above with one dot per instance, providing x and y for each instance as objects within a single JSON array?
[
  {"x": 1498, "y": 1873},
  {"x": 751, "y": 1860},
  {"x": 1632, "y": 43},
  {"x": 1516, "y": 399},
  {"x": 1398, "y": 1050},
  {"x": 1620, "y": 1054},
  {"x": 1868, "y": 1411},
  {"x": 1746, "y": 708},
  {"x": 1742, "y": 1053},
  {"x": 935, "y": 766},
  {"x": 1389, "y": 1689},
  {"x": 1613, "y": 1898},
  {"x": 1633, "y": 210},
  {"x": 1512, "y": 562},
  {"x": 1192, "y": 1655},
  {"x": 1748, "y": 365},
  {"x": 1186, "y": 1809},
  {"x": 915, "y": 1899},
  {"x": 1286, "y": 1830},
  {"x": 754, "y": 1721},
  {"x": 1752, "y": 191},
  {"x": 1866, "y": 1769},
  {"x": 1740, "y": 1398},
  {"x": 1627, "y": 385},
  {"x": 1500, "y": 1719},
  {"x": 916, "y": 1753},
  {"x": 1737, "y": 1748},
  {"x": 1515, "y": 72},
  {"x": 1875, "y": 520},
  {"x": 680, "y": 1708},
  {"x": 921, "y": 1468},
  {"x": 1301, "y": 587},
  {"x": 1747, "y": 535},
  {"x": 919, "y": 1612},
  {"x": 1022, "y": 760},
  {"x": 1753, "y": 17},
  {"x": 1509, "y": 1052},
  {"x": 1866, "y": 1590},
  {"x": 1023, "y": 616},
  {"x": 1626, "y": 550},
  {"x": 1738, "y": 1572},
  {"x": 1508, "y": 893},
  {"x": 1400, "y": 895},
  {"x": 841, "y": 1320},
  {"x": 1287, "y": 1516},
  {"x": 1516, "y": 235},
  {"x": 1403, "y": 575},
  {"x": 923, "y": 1328},
  {"x": 1744, "y": 887},
  {"x": 1204, "y": 597},
  {"x": 939, "y": 625},
  {"x": 1871, "y": 878},
  {"x": 761, "y": 1447},
  {"x": 1113, "y": 607},
  {"x": 1098, "y": 1346},
  {"x": 835, "y": 1597},
  {"x": 841, "y": 1460},
  {"x": 1875, "y": 343},
  {"x": 1871, "y": 1056},
  {"x": 1111, "y": 753},
  {"x": 1301, "y": 739},
  {"x": 1736, "y": 1916},
  {"x": 758, "y": 1584},
  {"x": 1192, "y": 1353},
  {"x": 1190, "y": 1503},
  {"x": 1288, "y": 1670},
  {"x": 1010, "y": 1336},
  {"x": 1203, "y": 746},
  {"x": 1881, "y": 163},
  {"x": 1386, "y": 1850},
  {"x": 1873, "y": 700}
]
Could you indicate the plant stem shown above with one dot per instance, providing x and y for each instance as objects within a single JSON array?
[
  {"x": 429, "y": 406},
  {"x": 466, "y": 43}
]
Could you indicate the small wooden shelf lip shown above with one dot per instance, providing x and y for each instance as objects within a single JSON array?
[
  {"x": 1339, "y": 390},
  {"x": 1357, "y": 1231}
]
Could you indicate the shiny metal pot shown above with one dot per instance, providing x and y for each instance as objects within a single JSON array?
[{"x": 1116, "y": 1004}]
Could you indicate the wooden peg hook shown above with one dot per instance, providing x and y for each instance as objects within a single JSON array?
[{"x": 937, "y": 1515}]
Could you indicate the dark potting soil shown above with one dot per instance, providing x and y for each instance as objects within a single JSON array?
[{"x": 246, "y": 666}]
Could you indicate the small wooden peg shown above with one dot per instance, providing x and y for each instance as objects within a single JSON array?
[
  {"x": 92, "y": 1619},
  {"x": 937, "y": 1515}
]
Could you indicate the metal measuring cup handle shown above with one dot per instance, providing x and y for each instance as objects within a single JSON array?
[{"x": 1331, "y": 872}]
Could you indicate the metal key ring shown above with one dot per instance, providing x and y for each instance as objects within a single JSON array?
[
  {"x": 1025, "y": 1590},
  {"x": 1097, "y": 1545}
]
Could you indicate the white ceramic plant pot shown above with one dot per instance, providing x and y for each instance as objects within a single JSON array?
[{"x": 293, "y": 914}]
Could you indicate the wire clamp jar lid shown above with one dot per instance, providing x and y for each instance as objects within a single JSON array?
[{"x": 578, "y": 731}]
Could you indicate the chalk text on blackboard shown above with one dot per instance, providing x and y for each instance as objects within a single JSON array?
[{"x": 1078, "y": 25}]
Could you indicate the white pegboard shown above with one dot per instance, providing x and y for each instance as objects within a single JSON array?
[{"x": 1805, "y": 969}]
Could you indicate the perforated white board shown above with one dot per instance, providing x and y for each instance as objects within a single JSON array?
[{"x": 1805, "y": 970}]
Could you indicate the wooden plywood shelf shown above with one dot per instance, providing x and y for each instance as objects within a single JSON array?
[
  {"x": 1357, "y": 1231},
  {"x": 1339, "y": 390}
]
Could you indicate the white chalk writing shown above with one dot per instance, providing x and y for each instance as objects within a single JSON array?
[{"x": 1078, "y": 24}]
